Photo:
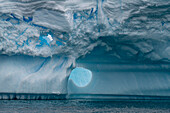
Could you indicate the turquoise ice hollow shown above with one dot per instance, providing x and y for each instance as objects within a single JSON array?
[
  {"x": 81, "y": 77},
  {"x": 46, "y": 39}
]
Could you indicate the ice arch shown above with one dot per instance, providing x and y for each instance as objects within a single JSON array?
[{"x": 81, "y": 77}]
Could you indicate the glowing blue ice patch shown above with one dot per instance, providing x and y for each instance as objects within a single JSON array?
[
  {"x": 81, "y": 76},
  {"x": 46, "y": 39}
]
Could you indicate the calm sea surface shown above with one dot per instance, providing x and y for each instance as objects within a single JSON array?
[{"x": 83, "y": 106}]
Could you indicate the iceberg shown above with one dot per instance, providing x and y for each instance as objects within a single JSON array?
[{"x": 84, "y": 47}]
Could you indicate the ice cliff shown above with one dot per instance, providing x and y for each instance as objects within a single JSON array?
[{"x": 124, "y": 44}]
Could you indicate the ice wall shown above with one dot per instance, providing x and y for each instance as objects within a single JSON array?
[
  {"x": 25, "y": 74},
  {"x": 111, "y": 75}
]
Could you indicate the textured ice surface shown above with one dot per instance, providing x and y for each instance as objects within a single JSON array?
[
  {"x": 125, "y": 44},
  {"x": 25, "y": 74},
  {"x": 131, "y": 28}
]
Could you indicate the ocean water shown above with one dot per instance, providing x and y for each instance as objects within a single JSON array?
[{"x": 83, "y": 106}]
